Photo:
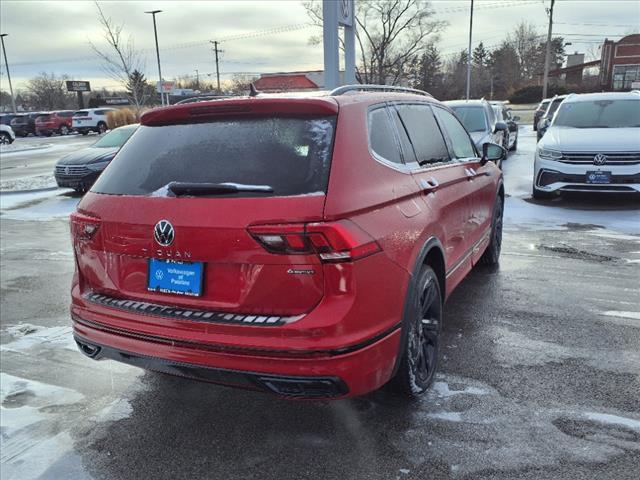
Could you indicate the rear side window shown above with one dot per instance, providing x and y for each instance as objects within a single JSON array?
[
  {"x": 424, "y": 133},
  {"x": 460, "y": 142},
  {"x": 381, "y": 136},
  {"x": 65, "y": 114},
  {"x": 292, "y": 155},
  {"x": 81, "y": 113},
  {"x": 473, "y": 118}
]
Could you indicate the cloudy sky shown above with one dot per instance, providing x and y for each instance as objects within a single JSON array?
[{"x": 259, "y": 36}]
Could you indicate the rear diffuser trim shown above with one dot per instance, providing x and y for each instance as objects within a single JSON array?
[{"x": 154, "y": 309}]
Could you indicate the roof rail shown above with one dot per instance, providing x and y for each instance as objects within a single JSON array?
[{"x": 376, "y": 88}]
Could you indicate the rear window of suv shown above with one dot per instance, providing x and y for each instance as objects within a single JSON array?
[
  {"x": 291, "y": 155},
  {"x": 472, "y": 118}
]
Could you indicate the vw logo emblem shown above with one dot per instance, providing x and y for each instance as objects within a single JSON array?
[
  {"x": 163, "y": 233},
  {"x": 66, "y": 170},
  {"x": 600, "y": 159}
]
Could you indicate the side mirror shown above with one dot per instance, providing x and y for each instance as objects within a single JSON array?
[
  {"x": 516, "y": 119},
  {"x": 542, "y": 124},
  {"x": 501, "y": 127},
  {"x": 492, "y": 152}
]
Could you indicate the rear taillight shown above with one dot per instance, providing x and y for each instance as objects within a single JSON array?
[
  {"x": 340, "y": 241},
  {"x": 83, "y": 227}
]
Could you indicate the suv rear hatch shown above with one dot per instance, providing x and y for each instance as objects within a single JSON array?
[{"x": 206, "y": 207}]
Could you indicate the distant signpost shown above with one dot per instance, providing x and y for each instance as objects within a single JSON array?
[{"x": 78, "y": 86}]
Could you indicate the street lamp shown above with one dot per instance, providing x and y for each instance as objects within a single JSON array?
[
  {"x": 155, "y": 32},
  {"x": 6, "y": 63}
]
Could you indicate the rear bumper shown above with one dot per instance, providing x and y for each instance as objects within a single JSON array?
[{"x": 328, "y": 375}]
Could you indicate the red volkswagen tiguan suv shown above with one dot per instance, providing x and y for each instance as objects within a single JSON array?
[{"x": 301, "y": 245}]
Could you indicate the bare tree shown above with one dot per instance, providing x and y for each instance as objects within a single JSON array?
[
  {"x": 525, "y": 40},
  {"x": 120, "y": 58},
  {"x": 48, "y": 92},
  {"x": 391, "y": 36},
  {"x": 240, "y": 84}
]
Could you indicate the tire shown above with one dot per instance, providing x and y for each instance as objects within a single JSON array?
[
  {"x": 85, "y": 132},
  {"x": 419, "y": 358},
  {"x": 102, "y": 127},
  {"x": 5, "y": 138},
  {"x": 491, "y": 255},
  {"x": 515, "y": 145},
  {"x": 64, "y": 130},
  {"x": 540, "y": 195}
]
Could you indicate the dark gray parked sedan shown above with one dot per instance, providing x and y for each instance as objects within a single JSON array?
[{"x": 80, "y": 169}]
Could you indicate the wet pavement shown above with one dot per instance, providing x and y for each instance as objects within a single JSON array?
[{"x": 539, "y": 378}]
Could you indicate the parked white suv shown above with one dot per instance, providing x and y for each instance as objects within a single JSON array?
[
  {"x": 592, "y": 144},
  {"x": 91, "y": 120},
  {"x": 6, "y": 135}
]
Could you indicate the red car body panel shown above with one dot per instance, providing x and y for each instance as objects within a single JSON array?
[{"x": 341, "y": 319}]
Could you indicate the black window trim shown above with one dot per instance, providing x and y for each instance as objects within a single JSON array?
[
  {"x": 399, "y": 167},
  {"x": 415, "y": 167},
  {"x": 447, "y": 138}
]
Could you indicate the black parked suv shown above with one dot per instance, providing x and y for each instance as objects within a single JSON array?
[
  {"x": 5, "y": 118},
  {"x": 25, "y": 124}
]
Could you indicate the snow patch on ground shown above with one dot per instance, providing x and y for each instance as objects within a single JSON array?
[
  {"x": 515, "y": 349},
  {"x": 38, "y": 206},
  {"x": 28, "y": 183},
  {"x": 442, "y": 390},
  {"x": 17, "y": 147},
  {"x": 524, "y": 435},
  {"x": 615, "y": 313},
  {"x": 28, "y": 336},
  {"x": 520, "y": 213},
  {"x": 31, "y": 437},
  {"x": 615, "y": 420},
  {"x": 117, "y": 410},
  {"x": 447, "y": 416}
]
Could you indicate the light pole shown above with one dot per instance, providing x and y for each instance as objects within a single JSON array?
[
  {"x": 155, "y": 32},
  {"x": 547, "y": 54},
  {"x": 6, "y": 63},
  {"x": 469, "y": 52}
]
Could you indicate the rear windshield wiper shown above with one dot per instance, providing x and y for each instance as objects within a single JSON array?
[{"x": 202, "y": 189}]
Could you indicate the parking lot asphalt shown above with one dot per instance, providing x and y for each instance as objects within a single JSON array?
[{"x": 539, "y": 375}]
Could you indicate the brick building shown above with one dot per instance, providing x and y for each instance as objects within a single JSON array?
[{"x": 620, "y": 63}]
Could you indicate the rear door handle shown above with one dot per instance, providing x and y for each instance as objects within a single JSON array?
[{"x": 471, "y": 173}]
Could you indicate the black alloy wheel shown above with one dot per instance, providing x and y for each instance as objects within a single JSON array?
[
  {"x": 420, "y": 359},
  {"x": 491, "y": 255}
]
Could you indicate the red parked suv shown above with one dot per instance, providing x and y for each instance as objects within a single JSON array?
[
  {"x": 300, "y": 245},
  {"x": 54, "y": 122}
]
